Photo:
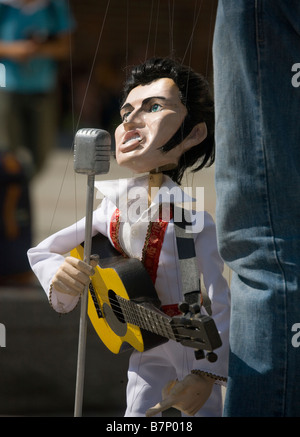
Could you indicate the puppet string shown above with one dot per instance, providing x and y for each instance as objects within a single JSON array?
[
  {"x": 171, "y": 8},
  {"x": 82, "y": 105}
]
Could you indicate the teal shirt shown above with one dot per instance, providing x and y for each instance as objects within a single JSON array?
[{"x": 39, "y": 74}]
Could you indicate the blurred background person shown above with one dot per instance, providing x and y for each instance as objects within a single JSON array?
[{"x": 34, "y": 36}]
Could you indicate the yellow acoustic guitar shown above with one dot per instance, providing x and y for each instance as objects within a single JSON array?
[{"x": 123, "y": 307}]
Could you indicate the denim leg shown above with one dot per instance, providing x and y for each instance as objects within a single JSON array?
[{"x": 256, "y": 45}]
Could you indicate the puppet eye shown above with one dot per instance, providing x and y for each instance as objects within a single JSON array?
[
  {"x": 156, "y": 107},
  {"x": 125, "y": 116}
]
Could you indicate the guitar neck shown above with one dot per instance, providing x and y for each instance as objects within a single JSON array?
[{"x": 147, "y": 317}]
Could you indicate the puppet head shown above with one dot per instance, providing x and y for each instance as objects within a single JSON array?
[{"x": 171, "y": 104}]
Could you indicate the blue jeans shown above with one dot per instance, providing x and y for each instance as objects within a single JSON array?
[{"x": 257, "y": 100}]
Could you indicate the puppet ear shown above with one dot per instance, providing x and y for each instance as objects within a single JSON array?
[{"x": 196, "y": 136}]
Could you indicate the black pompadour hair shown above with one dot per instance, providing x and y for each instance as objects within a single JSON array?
[{"x": 195, "y": 95}]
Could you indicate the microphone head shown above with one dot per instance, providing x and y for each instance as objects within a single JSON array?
[{"x": 92, "y": 151}]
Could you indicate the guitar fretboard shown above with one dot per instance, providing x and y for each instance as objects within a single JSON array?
[{"x": 146, "y": 318}]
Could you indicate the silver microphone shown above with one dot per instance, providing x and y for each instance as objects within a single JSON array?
[
  {"x": 91, "y": 157},
  {"x": 92, "y": 151}
]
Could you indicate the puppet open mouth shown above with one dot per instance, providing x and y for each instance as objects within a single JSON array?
[{"x": 131, "y": 141}]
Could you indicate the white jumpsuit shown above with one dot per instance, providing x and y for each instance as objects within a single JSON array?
[{"x": 148, "y": 371}]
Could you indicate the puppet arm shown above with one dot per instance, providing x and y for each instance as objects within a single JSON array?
[{"x": 58, "y": 274}]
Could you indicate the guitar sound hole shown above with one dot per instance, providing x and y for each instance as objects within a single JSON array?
[{"x": 115, "y": 306}]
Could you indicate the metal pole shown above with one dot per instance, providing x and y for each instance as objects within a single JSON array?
[
  {"x": 91, "y": 157},
  {"x": 84, "y": 301}
]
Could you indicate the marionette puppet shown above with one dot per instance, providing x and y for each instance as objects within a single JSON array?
[{"x": 167, "y": 126}]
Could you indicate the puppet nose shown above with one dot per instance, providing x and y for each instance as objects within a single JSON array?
[{"x": 134, "y": 119}]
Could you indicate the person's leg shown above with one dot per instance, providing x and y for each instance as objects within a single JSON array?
[
  {"x": 39, "y": 127},
  {"x": 6, "y": 113},
  {"x": 28, "y": 128},
  {"x": 256, "y": 44}
]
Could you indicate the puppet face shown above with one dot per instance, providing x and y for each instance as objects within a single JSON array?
[{"x": 151, "y": 115}]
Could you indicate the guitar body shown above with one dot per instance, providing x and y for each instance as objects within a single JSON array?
[
  {"x": 123, "y": 307},
  {"x": 118, "y": 277}
]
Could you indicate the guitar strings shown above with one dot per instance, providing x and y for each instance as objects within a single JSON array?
[{"x": 133, "y": 313}]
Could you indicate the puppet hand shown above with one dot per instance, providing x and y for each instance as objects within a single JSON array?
[
  {"x": 72, "y": 276},
  {"x": 188, "y": 395}
]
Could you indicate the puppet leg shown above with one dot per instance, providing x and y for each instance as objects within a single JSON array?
[
  {"x": 150, "y": 371},
  {"x": 147, "y": 375}
]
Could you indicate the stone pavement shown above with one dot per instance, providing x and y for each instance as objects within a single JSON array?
[{"x": 38, "y": 364}]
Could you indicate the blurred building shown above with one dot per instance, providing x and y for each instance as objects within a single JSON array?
[{"x": 112, "y": 35}]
